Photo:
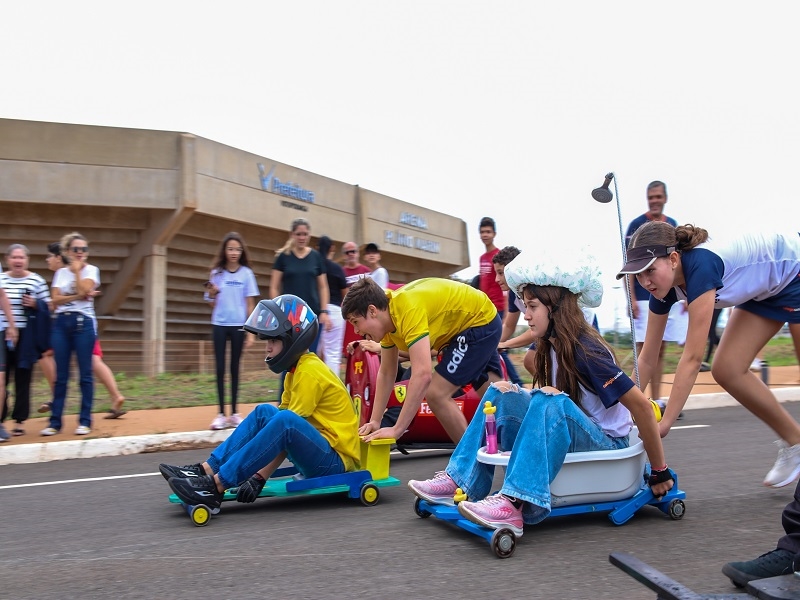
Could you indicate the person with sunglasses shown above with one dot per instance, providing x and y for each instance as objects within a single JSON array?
[
  {"x": 74, "y": 329},
  {"x": 353, "y": 271}
]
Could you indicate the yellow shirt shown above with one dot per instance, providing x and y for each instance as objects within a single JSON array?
[
  {"x": 437, "y": 308},
  {"x": 312, "y": 391}
]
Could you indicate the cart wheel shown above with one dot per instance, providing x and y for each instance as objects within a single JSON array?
[
  {"x": 421, "y": 513},
  {"x": 200, "y": 515},
  {"x": 503, "y": 542},
  {"x": 369, "y": 495},
  {"x": 677, "y": 509}
]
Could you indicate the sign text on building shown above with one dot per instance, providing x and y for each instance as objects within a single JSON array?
[
  {"x": 398, "y": 238},
  {"x": 270, "y": 183}
]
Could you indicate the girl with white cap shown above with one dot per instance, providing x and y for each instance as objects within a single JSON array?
[{"x": 584, "y": 402}]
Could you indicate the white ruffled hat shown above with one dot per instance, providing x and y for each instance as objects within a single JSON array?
[{"x": 573, "y": 268}]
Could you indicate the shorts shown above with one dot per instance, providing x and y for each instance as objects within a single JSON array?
[
  {"x": 2, "y": 350},
  {"x": 783, "y": 307},
  {"x": 471, "y": 355},
  {"x": 97, "y": 351},
  {"x": 677, "y": 322}
]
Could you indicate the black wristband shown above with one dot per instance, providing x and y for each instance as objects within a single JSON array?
[
  {"x": 324, "y": 312},
  {"x": 661, "y": 476}
]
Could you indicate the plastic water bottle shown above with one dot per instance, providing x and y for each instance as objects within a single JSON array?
[{"x": 491, "y": 428}]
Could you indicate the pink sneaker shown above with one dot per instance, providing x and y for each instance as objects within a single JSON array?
[
  {"x": 438, "y": 490},
  {"x": 219, "y": 423},
  {"x": 234, "y": 420},
  {"x": 496, "y": 512}
]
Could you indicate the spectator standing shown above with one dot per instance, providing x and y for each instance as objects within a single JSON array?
[
  {"x": 30, "y": 299},
  {"x": 372, "y": 256},
  {"x": 353, "y": 271},
  {"x": 332, "y": 339},
  {"x": 8, "y": 338},
  {"x": 101, "y": 370},
  {"x": 74, "y": 329},
  {"x": 488, "y": 284},
  {"x": 300, "y": 270},
  {"x": 640, "y": 297},
  {"x": 231, "y": 290}
]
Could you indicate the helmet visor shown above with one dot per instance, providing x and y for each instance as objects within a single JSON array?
[{"x": 264, "y": 322}]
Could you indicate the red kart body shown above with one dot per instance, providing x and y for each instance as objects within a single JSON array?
[{"x": 361, "y": 377}]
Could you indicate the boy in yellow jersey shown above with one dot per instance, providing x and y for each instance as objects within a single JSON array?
[
  {"x": 456, "y": 320},
  {"x": 316, "y": 425}
]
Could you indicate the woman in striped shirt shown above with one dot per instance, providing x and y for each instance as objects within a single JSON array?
[{"x": 24, "y": 289}]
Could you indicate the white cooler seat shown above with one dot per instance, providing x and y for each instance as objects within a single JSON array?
[{"x": 591, "y": 477}]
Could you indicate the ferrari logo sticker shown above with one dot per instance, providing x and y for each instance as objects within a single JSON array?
[{"x": 400, "y": 393}]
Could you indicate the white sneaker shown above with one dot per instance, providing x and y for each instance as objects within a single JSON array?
[
  {"x": 82, "y": 430},
  {"x": 49, "y": 431},
  {"x": 234, "y": 420},
  {"x": 219, "y": 423},
  {"x": 756, "y": 364},
  {"x": 787, "y": 466}
]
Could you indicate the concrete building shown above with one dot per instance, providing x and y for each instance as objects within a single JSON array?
[{"x": 154, "y": 206}]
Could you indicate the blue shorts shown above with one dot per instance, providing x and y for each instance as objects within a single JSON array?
[
  {"x": 784, "y": 307},
  {"x": 471, "y": 355}
]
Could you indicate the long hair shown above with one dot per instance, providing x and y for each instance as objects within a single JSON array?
[
  {"x": 220, "y": 260},
  {"x": 569, "y": 332},
  {"x": 289, "y": 245},
  {"x": 683, "y": 237}
]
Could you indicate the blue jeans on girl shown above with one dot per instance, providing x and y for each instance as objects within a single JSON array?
[
  {"x": 73, "y": 332},
  {"x": 540, "y": 429},
  {"x": 262, "y": 436}
]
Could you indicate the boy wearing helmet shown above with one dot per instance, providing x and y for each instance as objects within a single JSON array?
[
  {"x": 585, "y": 402},
  {"x": 316, "y": 425},
  {"x": 428, "y": 314}
]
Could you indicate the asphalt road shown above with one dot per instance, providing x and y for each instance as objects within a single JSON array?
[{"x": 102, "y": 528}]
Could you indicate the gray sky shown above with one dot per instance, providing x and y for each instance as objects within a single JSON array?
[{"x": 514, "y": 110}]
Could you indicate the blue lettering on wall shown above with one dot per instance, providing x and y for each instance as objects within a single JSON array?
[{"x": 270, "y": 183}]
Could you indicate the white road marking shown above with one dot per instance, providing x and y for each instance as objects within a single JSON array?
[
  {"x": 112, "y": 477},
  {"x": 24, "y": 485}
]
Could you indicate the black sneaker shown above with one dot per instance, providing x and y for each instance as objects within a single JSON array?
[
  {"x": 197, "y": 490},
  {"x": 771, "y": 564},
  {"x": 169, "y": 471}
]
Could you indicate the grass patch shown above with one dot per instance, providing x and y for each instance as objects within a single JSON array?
[
  {"x": 168, "y": 390},
  {"x": 175, "y": 390}
]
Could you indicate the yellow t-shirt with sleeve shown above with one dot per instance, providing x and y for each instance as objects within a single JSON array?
[
  {"x": 314, "y": 392},
  {"x": 437, "y": 308}
]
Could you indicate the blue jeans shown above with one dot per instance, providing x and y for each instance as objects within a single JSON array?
[
  {"x": 540, "y": 429},
  {"x": 73, "y": 332},
  {"x": 262, "y": 436}
]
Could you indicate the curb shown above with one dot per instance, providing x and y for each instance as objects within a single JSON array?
[
  {"x": 139, "y": 444},
  {"x": 116, "y": 446}
]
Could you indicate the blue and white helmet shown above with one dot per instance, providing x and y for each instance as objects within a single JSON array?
[
  {"x": 286, "y": 318},
  {"x": 575, "y": 269}
]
